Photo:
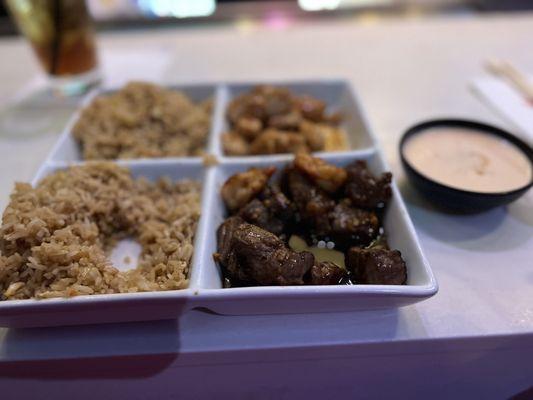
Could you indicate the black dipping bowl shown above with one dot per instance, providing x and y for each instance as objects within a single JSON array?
[{"x": 459, "y": 200}]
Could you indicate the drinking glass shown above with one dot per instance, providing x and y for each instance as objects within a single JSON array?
[{"x": 62, "y": 36}]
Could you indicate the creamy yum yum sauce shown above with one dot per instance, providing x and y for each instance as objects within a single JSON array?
[{"x": 468, "y": 159}]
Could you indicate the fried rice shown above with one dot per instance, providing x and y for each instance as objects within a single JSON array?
[
  {"x": 143, "y": 120},
  {"x": 55, "y": 239}
]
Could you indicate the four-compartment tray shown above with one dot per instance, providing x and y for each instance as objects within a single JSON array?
[{"x": 205, "y": 286}]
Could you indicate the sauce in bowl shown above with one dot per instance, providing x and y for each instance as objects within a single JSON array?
[{"x": 468, "y": 159}]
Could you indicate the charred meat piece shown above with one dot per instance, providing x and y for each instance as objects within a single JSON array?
[
  {"x": 364, "y": 189},
  {"x": 225, "y": 232},
  {"x": 350, "y": 225},
  {"x": 225, "y": 254},
  {"x": 323, "y": 137},
  {"x": 376, "y": 266},
  {"x": 312, "y": 203},
  {"x": 289, "y": 122},
  {"x": 277, "y": 100},
  {"x": 246, "y": 105},
  {"x": 276, "y": 201},
  {"x": 249, "y": 127},
  {"x": 326, "y": 176},
  {"x": 326, "y": 273},
  {"x": 274, "y": 141},
  {"x": 264, "y": 258},
  {"x": 240, "y": 188},
  {"x": 311, "y": 108},
  {"x": 234, "y": 144},
  {"x": 261, "y": 103},
  {"x": 271, "y": 211},
  {"x": 224, "y": 236},
  {"x": 314, "y": 136},
  {"x": 257, "y": 213}
]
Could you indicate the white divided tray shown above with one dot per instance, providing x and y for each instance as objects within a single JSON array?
[{"x": 205, "y": 287}]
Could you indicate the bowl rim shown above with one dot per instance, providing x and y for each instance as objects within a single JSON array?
[{"x": 472, "y": 125}]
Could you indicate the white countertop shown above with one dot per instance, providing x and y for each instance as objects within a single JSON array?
[{"x": 404, "y": 71}]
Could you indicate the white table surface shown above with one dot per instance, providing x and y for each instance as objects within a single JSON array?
[{"x": 405, "y": 71}]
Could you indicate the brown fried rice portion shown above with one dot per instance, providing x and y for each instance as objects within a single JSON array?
[
  {"x": 55, "y": 238},
  {"x": 143, "y": 120}
]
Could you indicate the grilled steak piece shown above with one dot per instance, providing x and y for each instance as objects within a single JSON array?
[
  {"x": 376, "y": 266},
  {"x": 364, "y": 189}
]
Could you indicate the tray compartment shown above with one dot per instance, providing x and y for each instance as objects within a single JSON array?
[
  {"x": 67, "y": 149},
  {"x": 338, "y": 95},
  {"x": 401, "y": 235},
  {"x": 122, "y": 306}
]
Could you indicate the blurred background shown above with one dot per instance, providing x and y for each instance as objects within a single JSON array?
[{"x": 120, "y": 14}]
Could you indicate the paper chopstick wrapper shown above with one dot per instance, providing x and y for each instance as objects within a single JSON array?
[{"x": 510, "y": 104}]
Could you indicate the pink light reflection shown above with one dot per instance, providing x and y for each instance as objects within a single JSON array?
[{"x": 276, "y": 21}]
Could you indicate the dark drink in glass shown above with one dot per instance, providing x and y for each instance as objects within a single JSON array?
[{"x": 61, "y": 33}]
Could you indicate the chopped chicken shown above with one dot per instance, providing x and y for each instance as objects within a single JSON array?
[{"x": 240, "y": 188}]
